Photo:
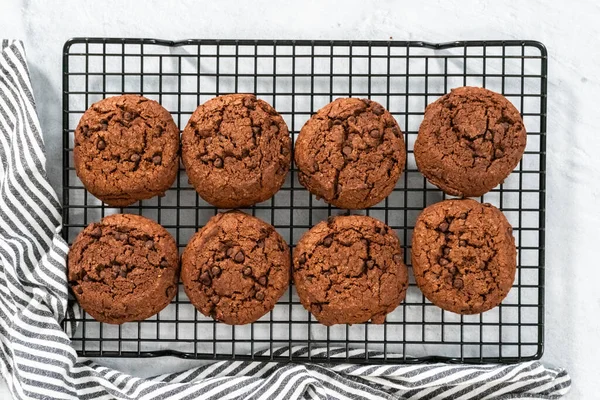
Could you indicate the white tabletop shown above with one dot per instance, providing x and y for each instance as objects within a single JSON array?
[{"x": 570, "y": 31}]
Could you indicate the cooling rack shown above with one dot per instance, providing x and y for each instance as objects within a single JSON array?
[{"x": 297, "y": 78}]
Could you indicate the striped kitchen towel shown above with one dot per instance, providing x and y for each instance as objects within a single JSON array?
[{"x": 38, "y": 362}]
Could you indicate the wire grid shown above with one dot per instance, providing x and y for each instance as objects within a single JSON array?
[{"x": 298, "y": 78}]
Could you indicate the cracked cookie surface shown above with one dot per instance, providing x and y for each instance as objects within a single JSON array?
[
  {"x": 235, "y": 268},
  {"x": 463, "y": 255},
  {"x": 123, "y": 268},
  {"x": 126, "y": 149},
  {"x": 236, "y": 150},
  {"x": 350, "y": 153},
  {"x": 470, "y": 140},
  {"x": 349, "y": 270}
]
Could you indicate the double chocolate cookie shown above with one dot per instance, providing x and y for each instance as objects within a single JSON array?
[
  {"x": 349, "y": 270},
  {"x": 235, "y": 268},
  {"x": 123, "y": 268},
  {"x": 463, "y": 255},
  {"x": 236, "y": 150},
  {"x": 126, "y": 149},
  {"x": 350, "y": 153},
  {"x": 470, "y": 140}
]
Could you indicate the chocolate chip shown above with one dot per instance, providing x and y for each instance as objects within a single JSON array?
[
  {"x": 230, "y": 252},
  {"x": 452, "y": 269},
  {"x": 458, "y": 283},
  {"x": 123, "y": 273},
  {"x": 205, "y": 279},
  {"x": 281, "y": 170},
  {"x": 135, "y": 157},
  {"x": 261, "y": 244},
  {"x": 462, "y": 243},
  {"x": 218, "y": 163},
  {"x": 164, "y": 263},
  {"x": 104, "y": 124},
  {"x": 101, "y": 145},
  {"x": 378, "y": 229},
  {"x": 274, "y": 128},
  {"x": 149, "y": 244},
  {"x": 170, "y": 291},
  {"x": 121, "y": 236},
  {"x": 85, "y": 129},
  {"x": 239, "y": 257},
  {"x": 315, "y": 167},
  {"x": 396, "y": 131},
  {"x": 375, "y": 134},
  {"x": 347, "y": 150},
  {"x": 285, "y": 150},
  {"x": 446, "y": 251},
  {"x": 78, "y": 289},
  {"x": 378, "y": 109},
  {"x": 157, "y": 159},
  {"x": 127, "y": 116},
  {"x": 329, "y": 123},
  {"x": 96, "y": 233},
  {"x": 247, "y": 271},
  {"x": 370, "y": 264},
  {"x": 443, "y": 226},
  {"x": 505, "y": 125},
  {"x": 499, "y": 153},
  {"x": 86, "y": 278},
  {"x": 263, "y": 280},
  {"x": 302, "y": 259},
  {"x": 463, "y": 216},
  {"x": 365, "y": 242},
  {"x": 488, "y": 135},
  {"x": 249, "y": 103},
  {"x": 255, "y": 130},
  {"x": 397, "y": 258},
  {"x": 260, "y": 296},
  {"x": 443, "y": 262},
  {"x": 327, "y": 241},
  {"x": 208, "y": 140},
  {"x": 216, "y": 271},
  {"x": 337, "y": 122},
  {"x": 215, "y": 299},
  {"x": 352, "y": 119}
]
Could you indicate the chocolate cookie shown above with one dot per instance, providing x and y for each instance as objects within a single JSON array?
[
  {"x": 123, "y": 268},
  {"x": 236, "y": 150},
  {"x": 349, "y": 270},
  {"x": 350, "y": 153},
  {"x": 470, "y": 140},
  {"x": 235, "y": 268},
  {"x": 463, "y": 255},
  {"x": 126, "y": 149}
]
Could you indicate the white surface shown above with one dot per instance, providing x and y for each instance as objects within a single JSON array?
[{"x": 570, "y": 31}]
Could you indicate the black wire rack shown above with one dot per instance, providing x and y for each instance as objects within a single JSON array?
[{"x": 298, "y": 78}]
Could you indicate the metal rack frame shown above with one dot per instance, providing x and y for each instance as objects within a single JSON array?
[{"x": 297, "y": 78}]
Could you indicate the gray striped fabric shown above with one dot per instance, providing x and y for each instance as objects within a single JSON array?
[{"x": 36, "y": 356}]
